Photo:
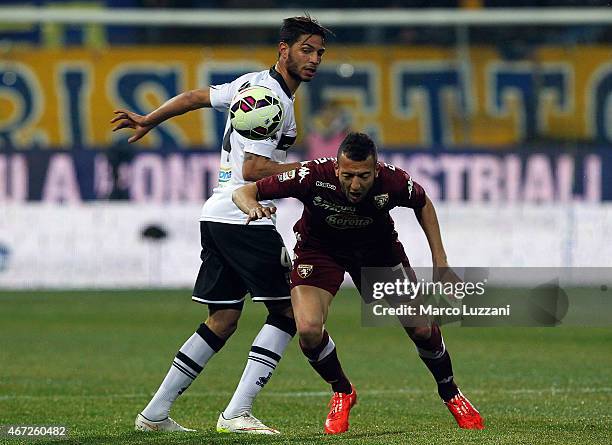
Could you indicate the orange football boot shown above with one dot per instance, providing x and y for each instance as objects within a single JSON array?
[
  {"x": 340, "y": 407},
  {"x": 465, "y": 414}
]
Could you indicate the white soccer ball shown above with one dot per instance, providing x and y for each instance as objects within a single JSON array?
[{"x": 256, "y": 112}]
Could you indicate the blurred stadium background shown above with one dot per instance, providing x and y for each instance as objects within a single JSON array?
[
  {"x": 504, "y": 115},
  {"x": 501, "y": 109}
]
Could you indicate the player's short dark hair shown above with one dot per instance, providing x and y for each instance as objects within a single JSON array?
[
  {"x": 294, "y": 27},
  {"x": 357, "y": 147}
]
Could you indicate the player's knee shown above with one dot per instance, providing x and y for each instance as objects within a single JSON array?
[
  {"x": 223, "y": 322},
  {"x": 222, "y": 328},
  {"x": 310, "y": 333},
  {"x": 280, "y": 307},
  {"x": 419, "y": 333}
]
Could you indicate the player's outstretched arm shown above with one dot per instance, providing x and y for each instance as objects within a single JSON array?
[
  {"x": 245, "y": 199},
  {"x": 256, "y": 167},
  {"x": 180, "y": 104},
  {"x": 428, "y": 219},
  {"x": 429, "y": 223}
]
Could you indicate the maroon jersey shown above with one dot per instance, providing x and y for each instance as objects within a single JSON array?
[{"x": 330, "y": 221}]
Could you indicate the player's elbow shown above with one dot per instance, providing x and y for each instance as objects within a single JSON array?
[
  {"x": 427, "y": 207},
  {"x": 237, "y": 196},
  {"x": 243, "y": 195},
  {"x": 252, "y": 171},
  {"x": 250, "y": 174},
  {"x": 256, "y": 167},
  {"x": 198, "y": 99}
]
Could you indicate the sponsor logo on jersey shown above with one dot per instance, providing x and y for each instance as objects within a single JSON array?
[
  {"x": 225, "y": 174},
  {"x": 304, "y": 270},
  {"x": 410, "y": 185},
  {"x": 303, "y": 172},
  {"x": 320, "y": 202},
  {"x": 286, "y": 176},
  {"x": 344, "y": 221},
  {"x": 326, "y": 185},
  {"x": 381, "y": 200}
]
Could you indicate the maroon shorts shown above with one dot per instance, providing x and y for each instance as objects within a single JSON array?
[{"x": 325, "y": 270}]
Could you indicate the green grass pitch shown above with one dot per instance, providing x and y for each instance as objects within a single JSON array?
[{"x": 90, "y": 360}]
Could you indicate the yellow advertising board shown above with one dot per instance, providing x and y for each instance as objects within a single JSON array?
[{"x": 405, "y": 96}]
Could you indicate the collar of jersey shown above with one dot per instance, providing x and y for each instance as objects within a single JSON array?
[{"x": 277, "y": 76}]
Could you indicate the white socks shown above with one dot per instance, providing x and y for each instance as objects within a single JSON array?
[
  {"x": 266, "y": 351},
  {"x": 187, "y": 365}
]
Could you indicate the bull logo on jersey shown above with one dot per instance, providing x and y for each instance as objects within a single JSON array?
[
  {"x": 381, "y": 200},
  {"x": 304, "y": 270}
]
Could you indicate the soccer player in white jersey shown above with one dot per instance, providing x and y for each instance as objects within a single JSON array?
[{"x": 238, "y": 259}]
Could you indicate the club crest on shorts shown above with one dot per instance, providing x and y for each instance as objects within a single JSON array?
[
  {"x": 381, "y": 200},
  {"x": 304, "y": 270}
]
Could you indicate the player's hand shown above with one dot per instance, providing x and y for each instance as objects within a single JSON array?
[
  {"x": 445, "y": 274},
  {"x": 260, "y": 212},
  {"x": 129, "y": 119}
]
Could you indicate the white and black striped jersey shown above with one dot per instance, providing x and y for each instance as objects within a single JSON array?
[{"x": 220, "y": 207}]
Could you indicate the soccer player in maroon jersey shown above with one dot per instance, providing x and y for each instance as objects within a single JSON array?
[{"x": 346, "y": 226}]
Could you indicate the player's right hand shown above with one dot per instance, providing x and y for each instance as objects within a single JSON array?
[
  {"x": 129, "y": 119},
  {"x": 445, "y": 274},
  {"x": 260, "y": 212}
]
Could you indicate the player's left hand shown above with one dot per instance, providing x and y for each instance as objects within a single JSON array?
[{"x": 260, "y": 212}]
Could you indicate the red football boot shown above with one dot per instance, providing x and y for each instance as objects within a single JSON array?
[
  {"x": 340, "y": 407},
  {"x": 465, "y": 414}
]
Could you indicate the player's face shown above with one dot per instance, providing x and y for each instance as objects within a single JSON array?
[
  {"x": 356, "y": 177},
  {"x": 304, "y": 57}
]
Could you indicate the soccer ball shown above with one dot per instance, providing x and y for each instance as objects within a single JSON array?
[{"x": 256, "y": 112}]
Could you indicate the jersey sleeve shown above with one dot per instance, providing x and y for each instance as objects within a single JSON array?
[
  {"x": 294, "y": 183},
  {"x": 221, "y": 95},
  {"x": 261, "y": 148},
  {"x": 406, "y": 191}
]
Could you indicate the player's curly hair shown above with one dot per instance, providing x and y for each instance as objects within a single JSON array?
[
  {"x": 357, "y": 147},
  {"x": 294, "y": 27}
]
